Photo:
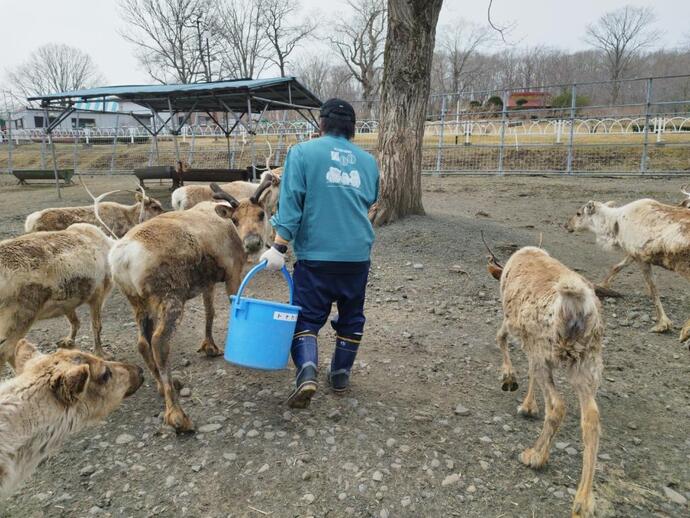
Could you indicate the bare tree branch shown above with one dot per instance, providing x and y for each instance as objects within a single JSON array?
[
  {"x": 359, "y": 41},
  {"x": 283, "y": 38},
  {"x": 620, "y": 35},
  {"x": 54, "y": 68}
]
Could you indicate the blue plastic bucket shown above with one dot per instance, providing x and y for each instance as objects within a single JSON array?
[{"x": 260, "y": 331}]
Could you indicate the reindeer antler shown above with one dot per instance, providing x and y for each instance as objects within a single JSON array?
[
  {"x": 684, "y": 190},
  {"x": 495, "y": 267}
]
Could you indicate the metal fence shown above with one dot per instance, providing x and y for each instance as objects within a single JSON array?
[{"x": 644, "y": 130}]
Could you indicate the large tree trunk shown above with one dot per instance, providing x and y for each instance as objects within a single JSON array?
[{"x": 404, "y": 96}]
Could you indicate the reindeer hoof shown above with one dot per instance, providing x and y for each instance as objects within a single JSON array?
[
  {"x": 66, "y": 343},
  {"x": 583, "y": 507},
  {"x": 509, "y": 383},
  {"x": 210, "y": 349},
  {"x": 662, "y": 327},
  {"x": 527, "y": 411},
  {"x": 684, "y": 334},
  {"x": 178, "y": 420},
  {"x": 532, "y": 459}
]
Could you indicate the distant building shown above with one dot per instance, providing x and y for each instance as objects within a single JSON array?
[
  {"x": 88, "y": 115},
  {"x": 529, "y": 100}
]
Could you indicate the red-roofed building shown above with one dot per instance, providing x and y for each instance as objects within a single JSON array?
[{"x": 526, "y": 100}]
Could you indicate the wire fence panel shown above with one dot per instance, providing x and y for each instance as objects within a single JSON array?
[{"x": 644, "y": 128}]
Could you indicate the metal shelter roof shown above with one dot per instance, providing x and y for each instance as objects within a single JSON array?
[{"x": 278, "y": 93}]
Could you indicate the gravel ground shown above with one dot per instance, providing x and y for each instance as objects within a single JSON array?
[{"x": 426, "y": 429}]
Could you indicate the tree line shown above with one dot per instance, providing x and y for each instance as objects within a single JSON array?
[{"x": 186, "y": 41}]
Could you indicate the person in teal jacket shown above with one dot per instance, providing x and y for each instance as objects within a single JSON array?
[{"x": 327, "y": 188}]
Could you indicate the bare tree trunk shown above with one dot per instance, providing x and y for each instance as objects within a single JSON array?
[{"x": 404, "y": 96}]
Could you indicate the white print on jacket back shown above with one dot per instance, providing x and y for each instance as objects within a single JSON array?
[
  {"x": 336, "y": 176},
  {"x": 343, "y": 156}
]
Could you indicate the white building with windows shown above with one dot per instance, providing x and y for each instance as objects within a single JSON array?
[{"x": 110, "y": 114}]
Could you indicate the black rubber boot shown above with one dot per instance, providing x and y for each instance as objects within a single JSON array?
[
  {"x": 305, "y": 387},
  {"x": 339, "y": 380}
]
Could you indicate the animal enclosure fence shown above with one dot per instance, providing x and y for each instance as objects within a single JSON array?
[{"x": 548, "y": 129}]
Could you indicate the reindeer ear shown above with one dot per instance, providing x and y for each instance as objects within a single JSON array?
[
  {"x": 70, "y": 384},
  {"x": 610, "y": 204},
  {"x": 224, "y": 211},
  {"x": 23, "y": 352},
  {"x": 589, "y": 208}
]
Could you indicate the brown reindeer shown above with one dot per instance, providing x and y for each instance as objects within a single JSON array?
[
  {"x": 164, "y": 262},
  {"x": 115, "y": 217},
  {"x": 49, "y": 274}
]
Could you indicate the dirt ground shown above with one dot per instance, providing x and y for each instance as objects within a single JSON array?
[{"x": 394, "y": 446}]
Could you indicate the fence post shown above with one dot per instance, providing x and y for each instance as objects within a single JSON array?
[
  {"x": 645, "y": 141},
  {"x": 504, "y": 119},
  {"x": 571, "y": 143},
  {"x": 439, "y": 151},
  {"x": 114, "y": 150},
  {"x": 9, "y": 142}
]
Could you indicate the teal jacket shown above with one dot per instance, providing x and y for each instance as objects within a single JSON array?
[{"x": 327, "y": 187}]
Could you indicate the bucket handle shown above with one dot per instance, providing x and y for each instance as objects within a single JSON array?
[{"x": 256, "y": 270}]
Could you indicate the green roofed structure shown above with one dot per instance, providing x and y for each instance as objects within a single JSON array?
[{"x": 240, "y": 100}]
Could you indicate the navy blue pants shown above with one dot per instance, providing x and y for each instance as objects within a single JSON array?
[{"x": 319, "y": 284}]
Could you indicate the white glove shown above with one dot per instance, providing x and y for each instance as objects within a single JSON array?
[{"x": 275, "y": 259}]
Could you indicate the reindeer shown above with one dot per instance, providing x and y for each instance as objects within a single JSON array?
[
  {"x": 48, "y": 274},
  {"x": 650, "y": 233},
  {"x": 555, "y": 315},
  {"x": 51, "y": 397},
  {"x": 685, "y": 203},
  {"x": 187, "y": 197},
  {"x": 116, "y": 217},
  {"x": 164, "y": 262}
]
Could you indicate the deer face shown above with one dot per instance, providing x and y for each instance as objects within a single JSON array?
[
  {"x": 78, "y": 379},
  {"x": 251, "y": 223},
  {"x": 151, "y": 207},
  {"x": 583, "y": 218}
]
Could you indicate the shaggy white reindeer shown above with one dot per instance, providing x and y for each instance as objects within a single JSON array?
[
  {"x": 49, "y": 274},
  {"x": 650, "y": 233},
  {"x": 115, "y": 217},
  {"x": 555, "y": 315},
  {"x": 164, "y": 262}
]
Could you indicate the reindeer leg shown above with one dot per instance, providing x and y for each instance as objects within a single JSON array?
[
  {"x": 529, "y": 407},
  {"x": 615, "y": 270},
  {"x": 537, "y": 455},
  {"x": 585, "y": 385},
  {"x": 167, "y": 317},
  {"x": 68, "y": 341},
  {"x": 507, "y": 373},
  {"x": 145, "y": 328},
  {"x": 95, "y": 307},
  {"x": 208, "y": 346},
  {"x": 663, "y": 322},
  {"x": 13, "y": 327}
]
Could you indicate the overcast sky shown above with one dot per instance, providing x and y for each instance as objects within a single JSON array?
[{"x": 93, "y": 26}]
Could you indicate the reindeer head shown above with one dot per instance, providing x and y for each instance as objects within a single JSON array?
[
  {"x": 93, "y": 386},
  {"x": 686, "y": 202},
  {"x": 150, "y": 207},
  {"x": 247, "y": 215},
  {"x": 584, "y": 218}
]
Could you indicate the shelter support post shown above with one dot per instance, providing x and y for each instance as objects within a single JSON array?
[{"x": 51, "y": 143}]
